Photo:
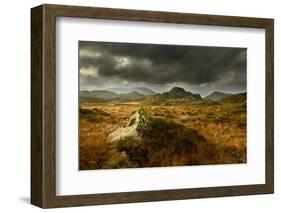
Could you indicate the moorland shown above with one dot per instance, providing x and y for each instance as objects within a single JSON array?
[{"x": 141, "y": 128}]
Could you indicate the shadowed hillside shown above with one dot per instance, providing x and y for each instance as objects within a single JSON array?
[
  {"x": 215, "y": 96},
  {"x": 237, "y": 98}
]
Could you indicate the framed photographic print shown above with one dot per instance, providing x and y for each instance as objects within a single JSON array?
[{"x": 135, "y": 106}]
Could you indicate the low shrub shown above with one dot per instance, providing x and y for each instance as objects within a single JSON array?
[{"x": 162, "y": 142}]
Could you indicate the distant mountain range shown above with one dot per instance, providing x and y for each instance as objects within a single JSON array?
[
  {"x": 141, "y": 90},
  {"x": 143, "y": 93},
  {"x": 215, "y": 96},
  {"x": 107, "y": 96}
]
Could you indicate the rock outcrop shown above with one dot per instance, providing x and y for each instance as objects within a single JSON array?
[
  {"x": 180, "y": 93},
  {"x": 138, "y": 122}
]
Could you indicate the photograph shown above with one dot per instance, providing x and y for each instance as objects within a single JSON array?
[
  {"x": 139, "y": 105},
  {"x": 147, "y": 105}
]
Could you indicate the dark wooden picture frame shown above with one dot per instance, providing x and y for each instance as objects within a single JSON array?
[{"x": 43, "y": 105}]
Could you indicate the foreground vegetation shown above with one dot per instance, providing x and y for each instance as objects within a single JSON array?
[{"x": 181, "y": 133}]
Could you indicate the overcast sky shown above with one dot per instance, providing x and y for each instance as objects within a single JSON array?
[{"x": 159, "y": 67}]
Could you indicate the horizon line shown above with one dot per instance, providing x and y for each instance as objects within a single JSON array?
[{"x": 108, "y": 89}]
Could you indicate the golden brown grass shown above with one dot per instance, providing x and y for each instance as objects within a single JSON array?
[{"x": 221, "y": 124}]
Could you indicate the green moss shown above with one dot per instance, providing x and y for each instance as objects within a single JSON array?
[{"x": 144, "y": 112}]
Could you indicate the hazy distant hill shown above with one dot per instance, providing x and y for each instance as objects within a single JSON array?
[
  {"x": 141, "y": 90},
  {"x": 107, "y": 96},
  {"x": 215, "y": 96},
  {"x": 144, "y": 90},
  {"x": 131, "y": 96},
  {"x": 99, "y": 94}
]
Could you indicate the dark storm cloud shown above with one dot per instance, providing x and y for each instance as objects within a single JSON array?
[{"x": 163, "y": 64}]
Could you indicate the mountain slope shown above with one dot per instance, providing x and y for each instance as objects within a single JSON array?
[
  {"x": 176, "y": 94},
  {"x": 215, "y": 96},
  {"x": 237, "y": 98},
  {"x": 131, "y": 96},
  {"x": 141, "y": 90},
  {"x": 180, "y": 93},
  {"x": 144, "y": 90},
  {"x": 107, "y": 96}
]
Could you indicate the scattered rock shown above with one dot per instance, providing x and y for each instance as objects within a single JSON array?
[{"x": 136, "y": 124}]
